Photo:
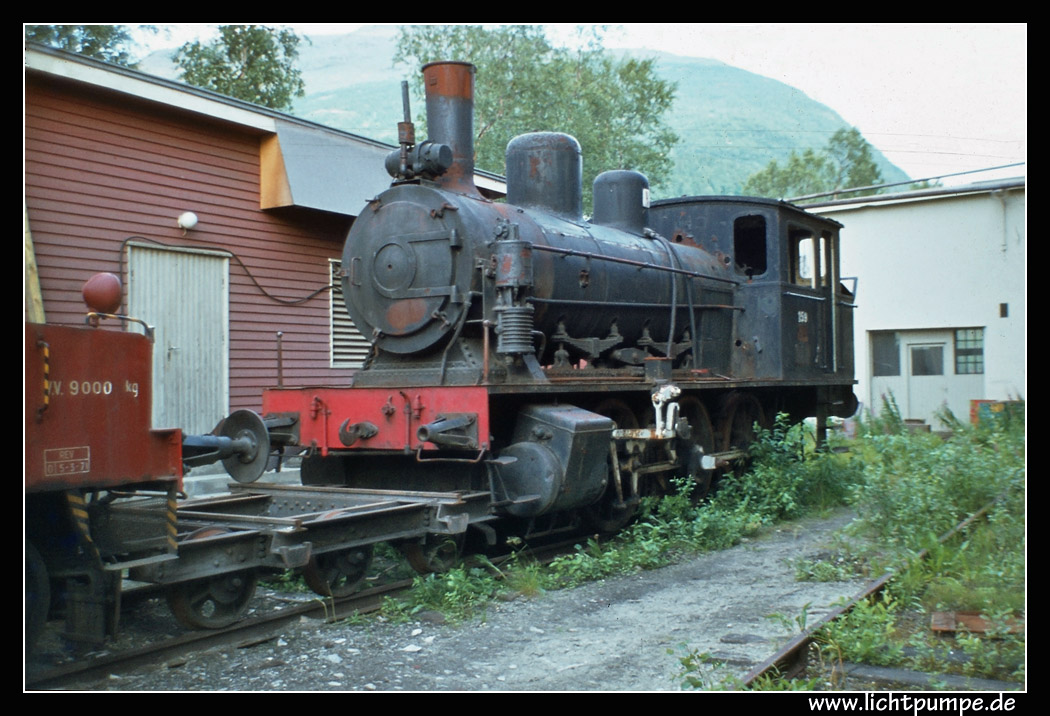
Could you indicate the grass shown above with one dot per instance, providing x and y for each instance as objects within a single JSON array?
[
  {"x": 915, "y": 487},
  {"x": 288, "y": 580}
]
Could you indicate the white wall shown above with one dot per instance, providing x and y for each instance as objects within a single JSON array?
[{"x": 941, "y": 262}]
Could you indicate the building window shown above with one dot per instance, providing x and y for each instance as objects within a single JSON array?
[
  {"x": 969, "y": 351},
  {"x": 885, "y": 354},
  {"x": 349, "y": 347},
  {"x": 927, "y": 360}
]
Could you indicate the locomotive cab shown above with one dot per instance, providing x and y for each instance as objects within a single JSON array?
[{"x": 795, "y": 323}]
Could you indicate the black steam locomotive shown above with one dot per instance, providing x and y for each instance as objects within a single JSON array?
[{"x": 566, "y": 366}]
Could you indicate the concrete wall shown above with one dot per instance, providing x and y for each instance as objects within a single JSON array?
[{"x": 941, "y": 262}]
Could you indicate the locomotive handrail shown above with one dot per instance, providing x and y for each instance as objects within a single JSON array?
[
  {"x": 630, "y": 262},
  {"x": 805, "y": 295},
  {"x": 633, "y": 304}
]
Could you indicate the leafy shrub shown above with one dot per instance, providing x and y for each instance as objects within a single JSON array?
[
  {"x": 787, "y": 480},
  {"x": 866, "y": 634}
]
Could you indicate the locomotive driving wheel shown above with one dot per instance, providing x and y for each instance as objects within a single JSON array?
[
  {"x": 338, "y": 574},
  {"x": 701, "y": 442},
  {"x": 740, "y": 412},
  {"x": 608, "y": 514}
]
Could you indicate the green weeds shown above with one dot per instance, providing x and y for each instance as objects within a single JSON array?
[
  {"x": 701, "y": 670},
  {"x": 837, "y": 568},
  {"x": 909, "y": 489},
  {"x": 287, "y": 581},
  {"x": 867, "y": 634},
  {"x": 459, "y": 594}
]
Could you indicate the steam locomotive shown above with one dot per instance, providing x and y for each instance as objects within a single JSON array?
[
  {"x": 528, "y": 366},
  {"x": 562, "y": 365}
]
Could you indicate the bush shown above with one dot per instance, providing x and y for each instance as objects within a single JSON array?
[{"x": 788, "y": 477}]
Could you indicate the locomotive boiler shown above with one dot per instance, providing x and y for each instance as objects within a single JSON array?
[{"x": 565, "y": 365}]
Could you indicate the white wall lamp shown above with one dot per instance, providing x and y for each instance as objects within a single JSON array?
[{"x": 186, "y": 221}]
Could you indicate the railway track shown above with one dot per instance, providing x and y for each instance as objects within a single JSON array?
[
  {"x": 792, "y": 659},
  {"x": 259, "y": 627},
  {"x": 608, "y": 635},
  {"x": 278, "y": 611},
  {"x": 622, "y": 626}
]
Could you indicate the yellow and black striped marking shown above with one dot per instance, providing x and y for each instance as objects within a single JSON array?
[
  {"x": 45, "y": 349},
  {"x": 172, "y": 520},
  {"x": 79, "y": 512}
]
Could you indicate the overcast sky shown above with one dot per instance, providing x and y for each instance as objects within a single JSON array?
[{"x": 934, "y": 98}]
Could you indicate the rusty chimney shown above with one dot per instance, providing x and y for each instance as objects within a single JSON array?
[{"x": 449, "y": 90}]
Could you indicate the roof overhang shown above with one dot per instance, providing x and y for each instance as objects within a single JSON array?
[
  {"x": 113, "y": 78},
  {"x": 302, "y": 164},
  {"x": 931, "y": 194}
]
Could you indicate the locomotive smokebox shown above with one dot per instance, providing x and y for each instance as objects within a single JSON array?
[{"x": 449, "y": 88}]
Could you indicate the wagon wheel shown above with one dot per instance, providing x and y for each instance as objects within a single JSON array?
[
  {"x": 701, "y": 442},
  {"x": 605, "y": 515},
  {"x": 38, "y": 595},
  {"x": 213, "y": 602},
  {"x": 740, "y": 412},
  {"x": 435, "y": 553},
  {"x": 338, "y": 574}
]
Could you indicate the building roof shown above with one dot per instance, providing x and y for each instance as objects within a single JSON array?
[
  {"x": 305, "y": 164},
  {"x": 933, "y": 193}
]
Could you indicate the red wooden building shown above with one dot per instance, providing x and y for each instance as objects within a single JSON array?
[{"x": 113, "y": 157}]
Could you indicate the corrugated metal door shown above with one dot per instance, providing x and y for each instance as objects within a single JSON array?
[{"x": 185, "y": 295}]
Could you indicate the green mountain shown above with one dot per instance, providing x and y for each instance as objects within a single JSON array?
[{"x": 730, "y": 123}]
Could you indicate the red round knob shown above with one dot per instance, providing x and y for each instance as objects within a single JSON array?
[{"x": 103, "y": 293}]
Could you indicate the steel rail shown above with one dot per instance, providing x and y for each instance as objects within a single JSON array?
[
  {"x": 250, "y": 630},
  {"x": 790, "y": 660}
]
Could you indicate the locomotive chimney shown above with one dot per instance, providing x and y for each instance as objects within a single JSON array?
[{"x": 449, "y": 90}]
